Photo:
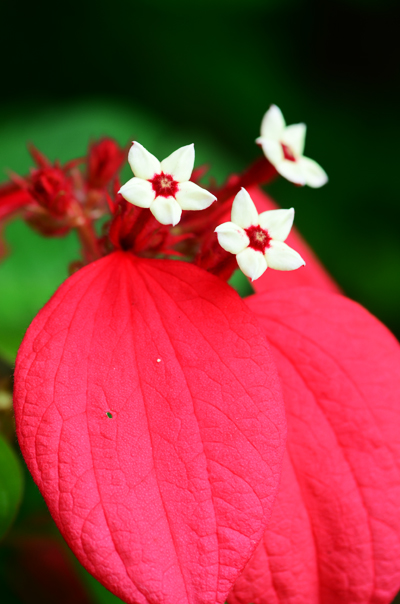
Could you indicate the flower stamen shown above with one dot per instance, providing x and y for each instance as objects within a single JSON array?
[
  {"x": 164, "y": 185},
  {"x": 288, "y": 153},
  {"x": 259, "y": 238}
]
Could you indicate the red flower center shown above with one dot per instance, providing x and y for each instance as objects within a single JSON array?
[
  {"x": 288, "y": 153},
  {"x": 259, "y": 238},
  {"x": 164, "y": 185}
]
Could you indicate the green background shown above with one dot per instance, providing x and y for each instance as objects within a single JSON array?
[{"x": 168, "y": 74}]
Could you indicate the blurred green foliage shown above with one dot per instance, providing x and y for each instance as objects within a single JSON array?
[{"x": 10, "y": 486}]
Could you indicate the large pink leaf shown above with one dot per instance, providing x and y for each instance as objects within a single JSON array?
[
  {"x": 312, "y": 275},
  {"x": 149, "y": 413},
  {"x": 334, "y": 534}
]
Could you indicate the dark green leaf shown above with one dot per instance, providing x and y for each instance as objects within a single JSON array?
[{"x": 10, "y": 485}]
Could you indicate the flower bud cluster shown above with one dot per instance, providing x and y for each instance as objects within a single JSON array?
[{"x": 56, "y": 198}]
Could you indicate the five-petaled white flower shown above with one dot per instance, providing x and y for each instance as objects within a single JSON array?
[
  {"x": 164, "y": 187},
  {"x": 257, "y": 239},
  {"x": 283, "y": 146}
]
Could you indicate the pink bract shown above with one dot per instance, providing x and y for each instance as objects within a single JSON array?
[
  {"x": 334, "y": 535},
  {"x": 149, "y": 412}
]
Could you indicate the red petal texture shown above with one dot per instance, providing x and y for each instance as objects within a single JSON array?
[
  {"x": 149, "y": 412},
  {"x": 311, "y": 275},
  {"x": 334, "y": 534}
]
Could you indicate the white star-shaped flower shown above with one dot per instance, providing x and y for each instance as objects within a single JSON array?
[
  {"x": 283, "y": 146},
  {"x": 257, "y": 239},
  {"x": 164, "y": 187}
]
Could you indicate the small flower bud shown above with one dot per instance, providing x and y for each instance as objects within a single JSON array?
[
  {"x": 104, "y": 160},
  {"x": 51, "y": 188}
]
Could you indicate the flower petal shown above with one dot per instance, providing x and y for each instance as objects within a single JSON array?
[
  {"x": 252, "y": 263},
  {"x": 281, "y": 257},
  {"x": 180, "y": 163},
  {"x": 192, "y": 197},
  {"x": 138, "y": 191},
  {"x": 294, "y": 136},
  {"x": 292, "y": 170},
  {"x": 166, "y": 210},
  {"x": 278, "y": 223},
  {"x": 232, "y": 237},
  {"x": 314, "y": 175},
  {"x": 334, "y": 534},
  {"x": 144, "y": 164},
  {"x": 149, "y": 411},
  {"x": 273, "y": 124},
  {"x": 272, "y": 150},
  {"x": 244, "y": 211}
]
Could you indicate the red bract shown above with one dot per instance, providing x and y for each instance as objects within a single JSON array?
[
  {"x": 150, "y": 415},
  {"x": 334, "y": 535}
]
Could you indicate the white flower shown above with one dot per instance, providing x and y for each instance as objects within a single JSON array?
[
  {"x": 283, "y": 146},
  {"x": 257, "y": 239},
  {"x": 164, "y": 187}
]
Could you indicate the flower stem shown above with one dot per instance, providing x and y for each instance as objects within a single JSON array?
[
  {"x": 88, "y": 239},
  {"x": 128, "y": 241},
  {"x": 261, "y": 172}
]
